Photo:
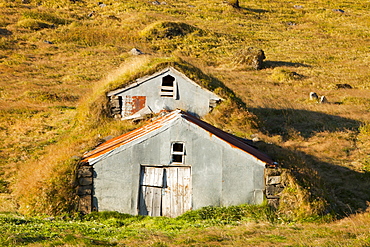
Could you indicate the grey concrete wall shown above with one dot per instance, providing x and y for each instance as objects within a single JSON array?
[
  {"x": 222, "y": 175},
  {"x": 190, "y": 97}
]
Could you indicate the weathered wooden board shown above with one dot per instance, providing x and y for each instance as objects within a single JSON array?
[
  {"x": 152, "y": 176},
  {"x": 165, "y": 191},
  {"x": 177, "y": 194}
]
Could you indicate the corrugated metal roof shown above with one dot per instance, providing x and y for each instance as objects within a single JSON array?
[
  {"x": 166, "y": 120},
  {"x": 229, "y": 138}
]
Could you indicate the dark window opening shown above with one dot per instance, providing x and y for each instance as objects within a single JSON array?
[
  {"x": 178, "y": 152},
  {"x": 167, "y": 88},
  {"x": 177, "y": 158},
  {"x": 178, "y": 147},
  {"x": 167, "y": 81}
]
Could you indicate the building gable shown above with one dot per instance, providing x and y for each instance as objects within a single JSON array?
[
  {"x": 168, "y": 89},
  {"x": 163, "y": 123},
  {"x": 173, "y": 164}
]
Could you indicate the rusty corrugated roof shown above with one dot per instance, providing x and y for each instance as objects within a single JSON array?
[{"x": 166, "y": 120}]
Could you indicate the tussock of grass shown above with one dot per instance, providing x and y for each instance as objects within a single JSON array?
[
  {"x": 33, "y": 24},
  {"x": 44, "y": 16},
  {"x": 167, "y": 29},
  {"x": 50, "y": 97}
]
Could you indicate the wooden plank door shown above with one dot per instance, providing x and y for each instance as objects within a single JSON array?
[
  {"x": 176, "y": 197},
  {"x": 165, "y": 191},
  {"x": 151, "y": 186}
]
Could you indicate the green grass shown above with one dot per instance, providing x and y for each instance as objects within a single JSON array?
[{"x": 201, "y": 227}]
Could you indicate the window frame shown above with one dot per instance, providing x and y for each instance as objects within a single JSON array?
[
  {"x": 177, "y": 153},
  {"x": 168, "y": 91}
]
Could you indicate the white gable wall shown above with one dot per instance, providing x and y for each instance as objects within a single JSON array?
[
  {"x": 222, "y": 175},
  {"x": 189, "y": 96}
]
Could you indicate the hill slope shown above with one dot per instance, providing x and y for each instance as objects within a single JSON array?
[{"x": 52, "y": 52}]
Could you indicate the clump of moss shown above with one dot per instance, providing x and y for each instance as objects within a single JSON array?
[
  {"x": 249, "y": 58},
  {"x": 167, "y": 29},
  {"x": 43, "y": 16},
  {"x": 43, "y": 96},
  {"x": 33, "y": 24},
  {"x": 285, "y": 75}
]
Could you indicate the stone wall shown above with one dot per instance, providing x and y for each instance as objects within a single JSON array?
[
  {"x": 274, "y": 186},
  {"x": 84, "y": 188}
]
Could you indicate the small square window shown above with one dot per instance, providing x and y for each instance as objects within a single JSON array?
[
  {"x": 168, "y": 89},
  {"x": 178, "y": 152},
  {"x": 177, "y": 158},
  {"x": 178, "y": 147}
]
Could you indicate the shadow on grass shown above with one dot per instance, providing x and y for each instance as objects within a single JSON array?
[
  {"x": 5, "y": 32},
  {"x": 273, "y": 64},
  {"x": 347, "y": 191},
  {"x": 286, "y": 122}
]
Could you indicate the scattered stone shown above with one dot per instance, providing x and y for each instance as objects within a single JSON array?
[
  {"x": 233, "y": 3},
  {"x": 136, "y": 52},
  {"x": 323, "y": 100},
  {"x": 251, "y": 57},
  {"x": 113, "y": 17},
  {"x": 102, "y": 5},
  {"x": 338, "y": 11},
  {"x": 314, "y": 96},
  {"x": 291, "y": 24},
  {"x": 156, "y": 3},
  {"x": 191, "y": 6},
  {"x": 91, "y": 14},
  {"x": 343, "y": 85},
  {"x": 48, "y": 42},
  {"x": 163, "y": 3},
  {"x": 318, "y": 99},
  {"x": 295, "y": 75},
  {"x": 49, "y": 218},
  {"x": 298, "y": 6}
]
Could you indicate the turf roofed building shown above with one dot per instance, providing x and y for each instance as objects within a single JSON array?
[
  {"x": 173, "y": 164},
  {"x": 167, "y": 89}
]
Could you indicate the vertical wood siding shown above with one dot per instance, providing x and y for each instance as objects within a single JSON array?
[{"x": 165, "y": 191}]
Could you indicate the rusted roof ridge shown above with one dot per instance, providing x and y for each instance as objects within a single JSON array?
[
  {"x": 228, "y": 138},
  {"x": 112, "y": 147},
  {"x": 127, "y": 137},
  {"x": 167, "y": 119},
  {"x": 130, "y": 136}
]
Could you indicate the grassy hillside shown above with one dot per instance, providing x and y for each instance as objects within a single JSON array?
[{"x": 57, "y": 58}]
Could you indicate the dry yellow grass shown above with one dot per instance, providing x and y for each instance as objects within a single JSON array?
[{"x": 43, "y": 83}]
